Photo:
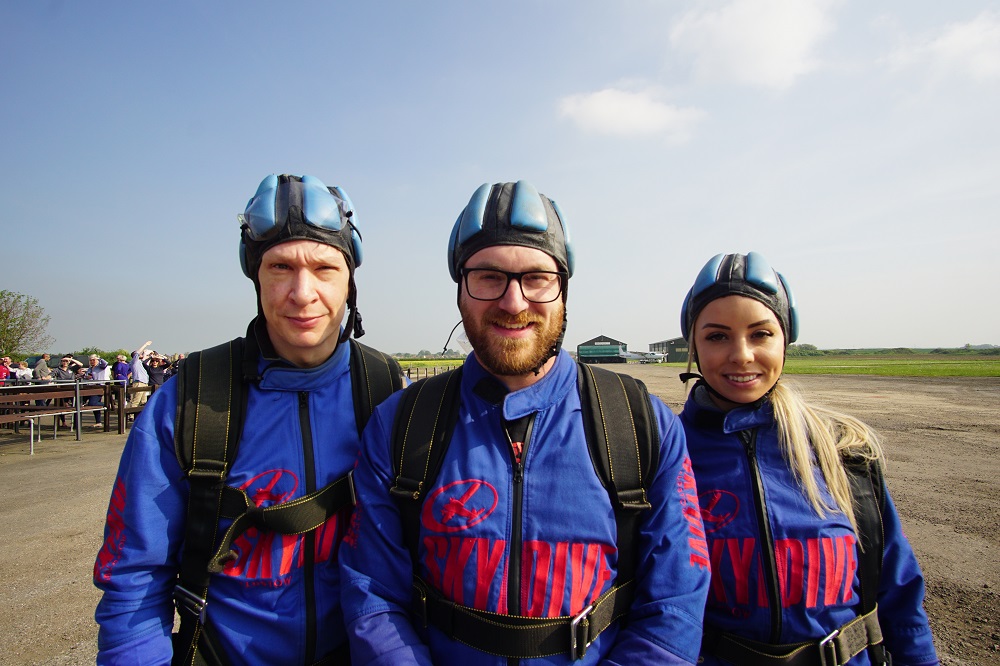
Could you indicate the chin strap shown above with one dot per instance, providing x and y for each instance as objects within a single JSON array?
[
  {"x": 554, "y": 349},
  {"x": 353, "y": 323}
]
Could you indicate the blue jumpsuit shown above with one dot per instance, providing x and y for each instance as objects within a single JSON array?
[
  {"x": 753, "y": 508},
  {"x": 564, "y": 548},
  {"x": 281, "y": 596}
]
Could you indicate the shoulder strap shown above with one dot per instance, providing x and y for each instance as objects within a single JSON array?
[
  {"x": 421, "y": 432},
  {"x": 211, "y": 399},
  {"x": 624, "y": 443},
  {"x": 374, "y": 377},
  {"x": 868, "y": 493}
]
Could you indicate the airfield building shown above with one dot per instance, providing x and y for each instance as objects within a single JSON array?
[
  {"x": 601, "y": 349},
  {"x": 676, "y": 349}
]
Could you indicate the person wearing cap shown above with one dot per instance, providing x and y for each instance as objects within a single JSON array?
[
  {"x": 516, "y": 527},
  {"x": 809, "y": 558},
  {"x": 274, "y": 598}
]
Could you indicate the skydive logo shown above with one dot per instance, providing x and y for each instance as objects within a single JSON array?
[
  {"x": 274, "y": 487},
  {"x": 114, "y": 542},
  {"x": 459, "y": 506},
  {"x": 718, "y": 508}
]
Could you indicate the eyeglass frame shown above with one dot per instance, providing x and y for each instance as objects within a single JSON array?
[{"x": 515, "y": 276}]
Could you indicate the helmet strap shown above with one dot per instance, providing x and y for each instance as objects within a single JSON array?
[{"x": 556, "y": 346}]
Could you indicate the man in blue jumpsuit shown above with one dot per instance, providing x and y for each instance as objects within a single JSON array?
[
  {"x": 517, "y": 524},
  {"x": 276, "y": 599}
]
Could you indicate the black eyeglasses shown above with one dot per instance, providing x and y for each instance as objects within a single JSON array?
[{"x": 487, "y": 284}]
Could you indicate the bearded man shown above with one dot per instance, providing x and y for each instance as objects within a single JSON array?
[{"x": 512, "y": 551}]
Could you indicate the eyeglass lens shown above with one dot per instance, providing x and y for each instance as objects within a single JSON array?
[{"x": 486, "y": 284}]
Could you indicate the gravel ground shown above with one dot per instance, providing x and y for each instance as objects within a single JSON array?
[{"x": 942, "y": 437}]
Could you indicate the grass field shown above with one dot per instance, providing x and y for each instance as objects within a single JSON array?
[
  {"x": 923, "y": 365},
  {"x": 903, "y": 365}
]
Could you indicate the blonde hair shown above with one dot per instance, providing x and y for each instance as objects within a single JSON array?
[{"x": 814, "y": 437}]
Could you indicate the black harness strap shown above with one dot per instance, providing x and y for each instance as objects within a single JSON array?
[
  {"x": 520, "y": 637},
  {"x": 299, "y": 516},
  {"x": 212, "y": 394},
  {"x": 374, "y": 377},
  {"x": 868, "y": 493},
  {"x": 622, "y": 451},
  {"x": 424, "y": 423},
  {"x": 210, "y": 407},
  {"x": 836, "y": 649},
  {"x": 623, "y": 440}
]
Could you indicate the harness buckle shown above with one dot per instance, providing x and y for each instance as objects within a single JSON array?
[
  {"x": 350, "y": 485},
  {"x": 578, "y": 644},
  {"x": 186, "y": 600},
  {"x": 828, "y": 650},
  {"x": 420, "y": 603}
]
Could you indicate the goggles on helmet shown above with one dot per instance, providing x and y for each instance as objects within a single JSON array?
[
  {"x": 324, "y": 208},
  {"x": 509, "y": 214},
  {"x": 741, "y": 275}
]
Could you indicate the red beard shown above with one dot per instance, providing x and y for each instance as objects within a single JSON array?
[{"x": 504, "y": 356}]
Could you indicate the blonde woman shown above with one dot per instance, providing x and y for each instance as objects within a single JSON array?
[{"x": 809, "y": 564}]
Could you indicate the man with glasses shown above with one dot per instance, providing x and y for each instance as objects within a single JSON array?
[
  {"x": 234, "y": 505},
  {"x": 508, "y": 547}
]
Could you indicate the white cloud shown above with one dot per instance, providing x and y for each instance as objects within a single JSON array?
[
  {"x": 766, "y": 43},
  {"x": 623, "y": 113},
  {"x": 971, "y": 48}
]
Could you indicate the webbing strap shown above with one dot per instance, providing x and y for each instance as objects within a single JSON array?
[
  {"x": 868, "y": 499},
  {"x": 623, "y": 440},
  {"x": 519, "y": 637},
  {"x": 868, "y": 493},
  {"x": 424, "y": 423},
  {"x": 209, "y": 382},
  {"x": 296, "y": 517},
  {"x": 836, "y": 649},
  {"x": 374, "y": 377}
]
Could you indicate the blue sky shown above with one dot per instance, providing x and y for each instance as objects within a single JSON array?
[{"x": 854, "y": 144}]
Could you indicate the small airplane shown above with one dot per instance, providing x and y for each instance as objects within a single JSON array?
[{"x": 642, "y": 357}]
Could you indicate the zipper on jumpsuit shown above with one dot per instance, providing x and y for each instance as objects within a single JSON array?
[
  {"x": 309, "y": 540},
  {"x": 767, "y": 560},
  {"x": 514, "y": 568}
]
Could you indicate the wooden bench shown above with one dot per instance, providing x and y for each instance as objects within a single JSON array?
[{"x": 19, "y": 403}]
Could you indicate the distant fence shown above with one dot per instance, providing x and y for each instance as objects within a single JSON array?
[{"x": 413, "y": 373}]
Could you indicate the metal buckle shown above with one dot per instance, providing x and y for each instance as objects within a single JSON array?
[
  {"x": 828, "y": 650},
  {"x": 350, "y": 484},
  {"x": 578, "y": 646},
  {"x": 421, "y": 605},
  {"x": 185, "y": 599}
]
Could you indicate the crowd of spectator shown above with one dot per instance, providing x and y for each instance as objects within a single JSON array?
[{"x": 146, "y": 367}]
